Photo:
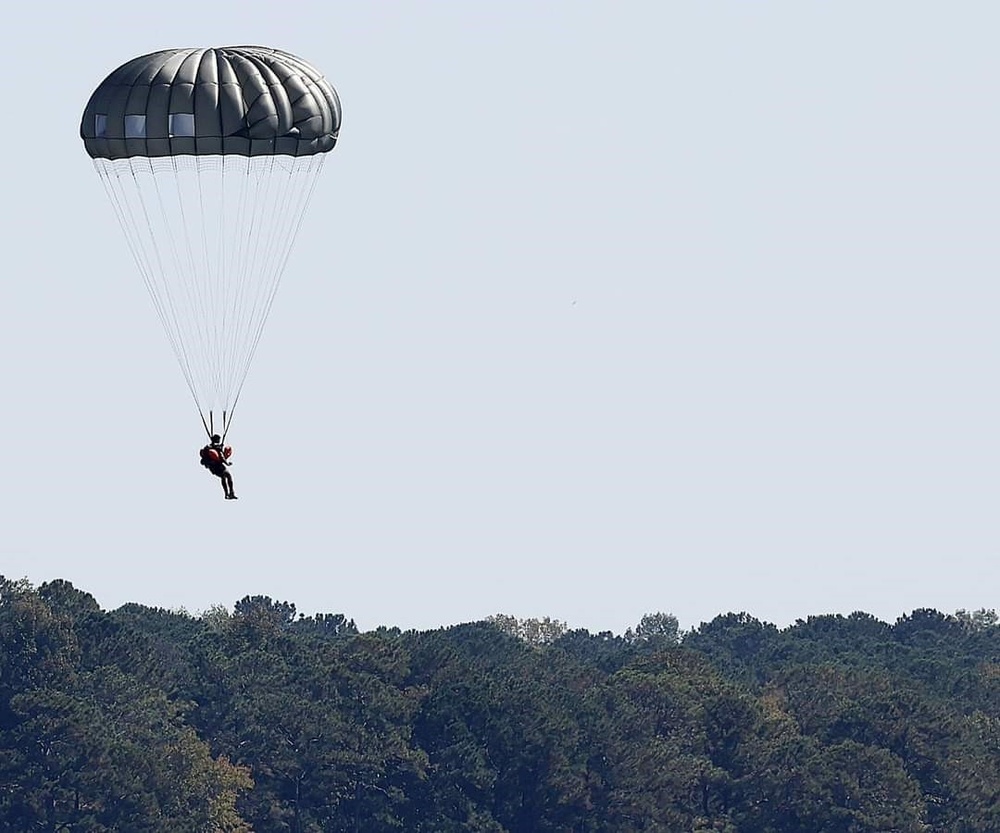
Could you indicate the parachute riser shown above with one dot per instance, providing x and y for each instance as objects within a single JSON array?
[
  {"x": 208, "y": 430},
  {"x": 210, "y": 423}
]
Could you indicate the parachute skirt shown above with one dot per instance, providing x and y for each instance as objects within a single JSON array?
[{"x": 211, "y": 236}]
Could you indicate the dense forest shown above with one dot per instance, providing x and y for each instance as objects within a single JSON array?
[{"x": 260, "y": 718}]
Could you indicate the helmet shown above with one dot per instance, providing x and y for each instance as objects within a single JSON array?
[{"x": 216, "y": 438}]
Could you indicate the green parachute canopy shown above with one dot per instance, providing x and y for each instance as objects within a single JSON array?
[{"x": 209, "y": 157}]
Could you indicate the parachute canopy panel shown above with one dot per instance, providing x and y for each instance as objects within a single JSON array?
[{"x": 239, "y": 100}]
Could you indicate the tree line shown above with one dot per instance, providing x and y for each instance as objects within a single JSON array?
[{"x": 260, "y": 718}]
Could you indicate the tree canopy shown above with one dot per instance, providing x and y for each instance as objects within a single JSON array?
[{"x": 261, "y": 718}]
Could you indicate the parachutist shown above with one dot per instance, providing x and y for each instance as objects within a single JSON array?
[{"x": 215, "y": 458}]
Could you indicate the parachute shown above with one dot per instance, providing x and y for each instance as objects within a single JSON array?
[
  {"x": 210, "y": 456},
  {"x": 210, "y": 157}
]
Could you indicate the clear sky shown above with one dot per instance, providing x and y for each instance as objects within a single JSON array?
[{"x": 599, "y": 309}]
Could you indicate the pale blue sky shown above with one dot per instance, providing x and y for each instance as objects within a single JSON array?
[{"x": 599, "y": 309}]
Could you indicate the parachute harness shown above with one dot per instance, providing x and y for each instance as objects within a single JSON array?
[{"x": 211, "y": 236}]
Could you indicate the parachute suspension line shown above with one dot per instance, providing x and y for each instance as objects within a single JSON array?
[
  {"x": 248, "y": 271},
  {"x": 159, "y": 227},
  {"x": 238, "y": 272},
  {"x": 249, "y": 268},
  {"x": 242, "y": 246},
  {"x": 209, "y": 284},
  {"x": 267, "y": 253},
  {"x": 214, "y": 175},
  {"x": 110, "y": 175},
  {"x": 253, "y": 311},
  {"x": 188, "y": 274},
  {"x": 144, "y": 249},
  {"x": 292, "y": 206},
  {"x": 217, "y": 280},
  {"x": 295, "y": 215},
  {"x": 172, "y": 302},
  {"x": 166, "y": 227},
  {"x": 271, "y": 209},
  {"x": 211, "y": 236},
  {"x": 301, "y": 183},
  {"x": 104, "y": 172},
  {"x": 313, "y": 168},
  {"x": 195, "y": 275}
]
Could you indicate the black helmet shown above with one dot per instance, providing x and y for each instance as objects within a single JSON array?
[{"x": 216, "y": 438}]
